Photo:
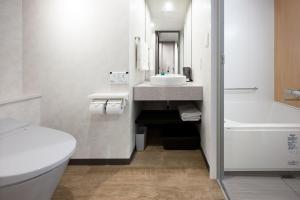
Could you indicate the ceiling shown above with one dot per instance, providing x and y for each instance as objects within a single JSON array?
[{"x": 168, "y": 14}]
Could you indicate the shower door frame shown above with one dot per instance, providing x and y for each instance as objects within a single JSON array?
[{"x": 219, "y": 56}]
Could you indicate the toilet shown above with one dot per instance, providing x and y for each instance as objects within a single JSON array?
[{"x": 32, "y": 160}]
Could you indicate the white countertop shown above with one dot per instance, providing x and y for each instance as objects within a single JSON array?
[
  {"x": 147, "y": 92},
  {"x": 148, "y": 84}
]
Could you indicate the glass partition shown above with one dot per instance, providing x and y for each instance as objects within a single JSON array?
[{"x": 261, "y": 132}]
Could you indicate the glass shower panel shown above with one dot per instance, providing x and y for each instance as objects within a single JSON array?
[{"x": 261, "y": 96}]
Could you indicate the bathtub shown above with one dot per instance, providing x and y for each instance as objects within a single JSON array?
[{"x": 261, "y": 137}]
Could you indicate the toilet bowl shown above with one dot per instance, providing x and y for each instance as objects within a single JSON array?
[{"x": 32, "y": 160}]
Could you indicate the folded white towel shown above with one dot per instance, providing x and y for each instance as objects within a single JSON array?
[
  {"x": 189, "y": 110},
  {"x": 190, "y": 115},
  {"x": 194, "y": 117},
  {"x": 190, "y": 119}
]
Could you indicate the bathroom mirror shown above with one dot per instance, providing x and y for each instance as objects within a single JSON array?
[{"x": 171, "y": 22}]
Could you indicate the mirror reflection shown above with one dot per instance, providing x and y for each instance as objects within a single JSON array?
[
  {"x": 168, "y": 52},
  {"x": 171, "y": 22}
]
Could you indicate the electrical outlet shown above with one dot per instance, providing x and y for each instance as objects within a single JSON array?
[{"x": 119, "y": 77}]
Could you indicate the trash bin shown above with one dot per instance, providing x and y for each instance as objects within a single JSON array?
[{"x": 140, "y": 138}]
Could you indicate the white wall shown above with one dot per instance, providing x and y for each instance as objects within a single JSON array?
[
  {"x": 10, "y": 48},
  {"x": 187, "y": 40},
  {"x": 26, "y": 111},
  {"x": 137, "y": 28},
  {"x": 249, "y": 49},
  {"x": 69, "y": 49},
  {"x": 11, "y": 66},
  {"x": 151, "y": 41},
  {"x": 203, "y": 74}
]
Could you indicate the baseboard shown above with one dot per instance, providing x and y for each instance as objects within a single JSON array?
[{"x": 103, "y": 161}]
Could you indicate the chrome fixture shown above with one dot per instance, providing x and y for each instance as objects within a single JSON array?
[
  {"x": 241, "y": 89},
  {"x": 292, "y": 94}
]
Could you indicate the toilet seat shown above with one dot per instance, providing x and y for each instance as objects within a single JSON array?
[{"x": 29, "y": 151}]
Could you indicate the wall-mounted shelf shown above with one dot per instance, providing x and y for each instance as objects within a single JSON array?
[
  {"x": 114, "y": 95},
  {"x": 108, "y": 103}
]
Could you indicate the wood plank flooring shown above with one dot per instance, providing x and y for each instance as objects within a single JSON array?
[{"x": 154, "y": 174}]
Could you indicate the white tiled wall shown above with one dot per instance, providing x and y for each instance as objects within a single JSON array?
[
  {"x": 26, "y": 111},
  {"x": 249, "y": 49},
  {"x": 10, "y": 48},
  {"x": 11, "y": 68},
  {"x": 69, "y": 49},
  {"x": 202, "y": 73}
]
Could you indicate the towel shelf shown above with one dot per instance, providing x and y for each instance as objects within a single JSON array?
[
  {"x": 161, "y": 117},
  {"x": 174, "y": 133}
]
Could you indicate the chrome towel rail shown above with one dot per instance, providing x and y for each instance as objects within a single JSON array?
[
  {"x": 292, "y": 94},
  {"x": 240, "y": 89}
]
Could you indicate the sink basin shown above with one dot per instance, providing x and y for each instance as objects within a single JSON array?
[{"x": 168, "y": 80}]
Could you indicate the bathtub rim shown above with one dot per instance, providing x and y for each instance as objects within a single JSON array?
[{"x": 233, "y": 125}]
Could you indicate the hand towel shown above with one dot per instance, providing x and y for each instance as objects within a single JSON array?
[{"x": 142, "y": 60}]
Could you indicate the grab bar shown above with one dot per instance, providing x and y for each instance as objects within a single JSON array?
[
  {"x": 237, "y": 89},
  {"x": 294, "y": 93}
]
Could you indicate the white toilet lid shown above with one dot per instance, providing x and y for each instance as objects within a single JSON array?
[{"x": 30, "y": 151}]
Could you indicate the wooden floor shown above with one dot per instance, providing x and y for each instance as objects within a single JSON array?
[{"x": 154, "y": 174}]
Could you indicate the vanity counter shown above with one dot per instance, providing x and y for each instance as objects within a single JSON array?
[{"x": 148, "y": 92}]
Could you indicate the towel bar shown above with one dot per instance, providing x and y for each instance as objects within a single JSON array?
[{"x": 238, "y": 89}]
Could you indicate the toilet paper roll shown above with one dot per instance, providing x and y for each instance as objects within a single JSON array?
[
  {"x": 97, "y": 108},
  {"x": 114, "y": 107}
]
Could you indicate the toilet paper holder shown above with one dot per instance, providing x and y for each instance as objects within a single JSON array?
[{"x": 110, "y": 96}]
